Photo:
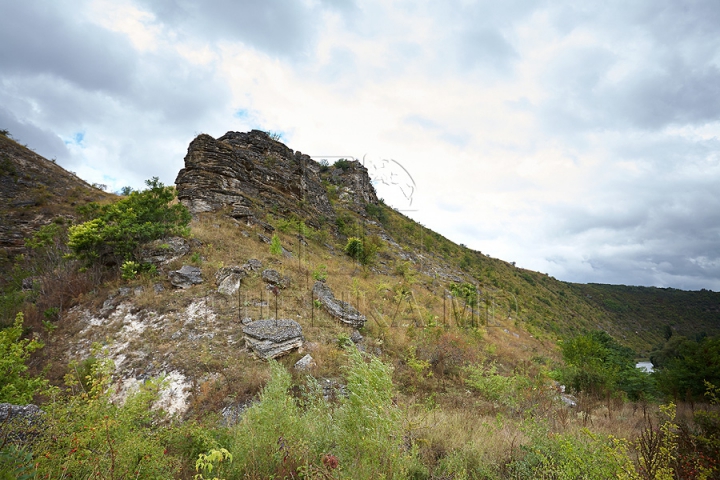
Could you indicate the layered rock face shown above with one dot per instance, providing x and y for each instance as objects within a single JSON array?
[{"x": 251, "y": 172}]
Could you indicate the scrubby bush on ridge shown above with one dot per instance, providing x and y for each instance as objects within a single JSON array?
[{"x": 114, "y": 231}]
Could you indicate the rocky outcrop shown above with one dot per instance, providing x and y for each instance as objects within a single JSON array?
[
  {"x": 252, "y": 265},
  {"x": 164, "y": 251},
  {"x": 355, "y": 187},
  {"x": 186, "y": 277},
  {"x": 273, "y": 338},
  {"x": 249, "y": 172},
  {"x": 343, "y": 311}
]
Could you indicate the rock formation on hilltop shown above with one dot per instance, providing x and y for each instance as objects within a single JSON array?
[{"x": 251, "y": 172}]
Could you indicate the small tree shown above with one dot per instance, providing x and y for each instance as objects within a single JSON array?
[
  {"x": 354, "y": 248},
  {"x": 275, "y": 246}
]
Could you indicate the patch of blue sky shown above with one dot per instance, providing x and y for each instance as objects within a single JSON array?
[
  {"x": 76, "y": 139},
  {"x": 242, "y": 114}
]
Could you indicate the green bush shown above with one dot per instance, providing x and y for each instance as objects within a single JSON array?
[
  {"x": 377, "y": 212},
  {"x": 361, "y": 438},
  {"x": 343, "y": 164},
  {"x": 570, "y": 457},
  {"x": 495, "y": 387},
  {"x": 354, "y": 248},
  {"x": 363, "y": 250},
  {"x": 320, "y": 273},
  {"x": 597, "y": 364},
  {"x": 86, "y": 435},
  {"x": 683, "y": 365},
  {"x": 15, "y": 385},
  {"x": 114, "y": 231}
]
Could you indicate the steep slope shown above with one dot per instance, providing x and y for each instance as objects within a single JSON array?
[{"x": 33, "y": 192}]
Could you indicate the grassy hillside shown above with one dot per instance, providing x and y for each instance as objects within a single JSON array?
[
  {"x": 459, "y": 380},
  {"x": 549, "y": 308}
]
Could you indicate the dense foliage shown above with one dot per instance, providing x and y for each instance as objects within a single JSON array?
[
  {"x": 599, "y": 365},
  {"x": 684, "y": 366},
  {"x": 114, "y": 231}
]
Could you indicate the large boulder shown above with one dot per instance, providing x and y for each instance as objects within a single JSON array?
[
  {"x": 186, "y": 277},
  {"x": 343, "y": 311},
  {"x": 228, "y": 279},
  {"x": 273, "y": 338}
]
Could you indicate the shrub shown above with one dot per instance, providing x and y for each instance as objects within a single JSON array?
[
  {"x": 597, "y": 364},
  {"x": 363, "y": 251},
  {"x": 346, "y": 224},
  {"x": 569, "y": 457},
  {"x": 114, "y": 231},
  {"x": 15, "y": 385},
  {"x": 683, "y": 365},
  {"x": 354, "y": 248},
  {"x": 129, "y": 269},
  {"x": 361, "y": 438},
  {"x": 343, "y": 164},
  {"x": 370, "y": 440},
  {"x": 377, "y": 212},
  {"x": 270, "y": 432},
  {"x": 495, "y": 387},
  {"x": 86, "y": 435},
  {"x": 320, "y": 273}
]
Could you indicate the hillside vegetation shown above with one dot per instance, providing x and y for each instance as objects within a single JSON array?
[{"x": 455, "y": 374}]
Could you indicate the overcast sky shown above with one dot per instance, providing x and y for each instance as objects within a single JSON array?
[{"x": 578, "y": 139}]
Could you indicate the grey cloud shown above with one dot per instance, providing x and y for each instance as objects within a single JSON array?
[
  {"x": 661, "y": 270},
  {"x": 282, "y": 27},
  {"x": 679, "y": 95},
  {"x": 46, "y": 38},
  {"x": 66, "y": 77},
  {"x": 663, "y": 233},
  {"x": 176, "y": 91},
  {"x": 673, "y": 79},
  {"x": 42, "y": 141},
  {"x": 479, "y": 32}
]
